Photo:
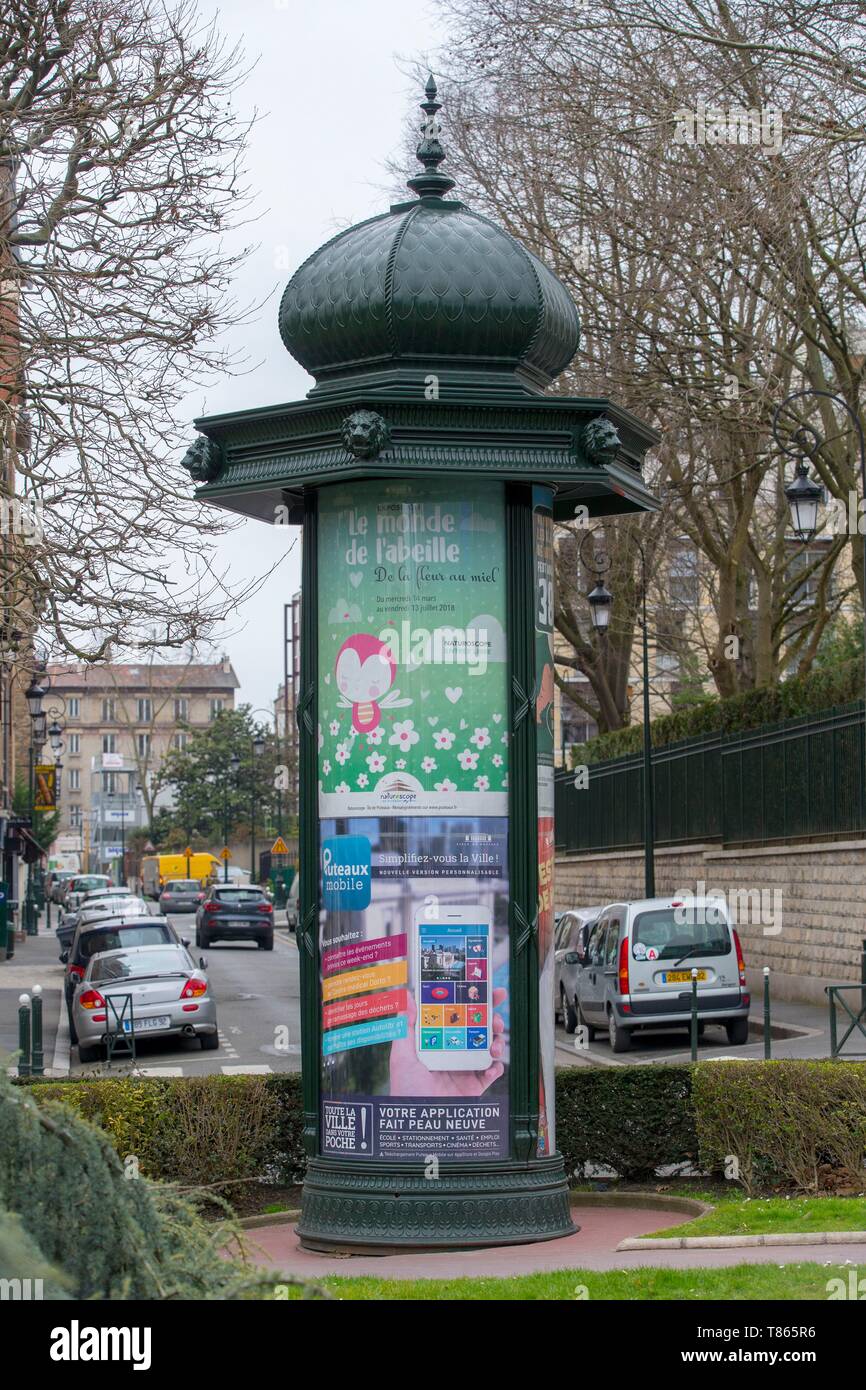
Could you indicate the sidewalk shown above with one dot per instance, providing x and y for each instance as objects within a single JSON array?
[
  {"x": 35, "y": 962},
  {"x": 593, "y": 1247}
]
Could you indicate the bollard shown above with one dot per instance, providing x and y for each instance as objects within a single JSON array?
[
  {"x": 37, "y": 1060},
  {"x": 24, "y": 1034},
  {"x": 768, "y": 1041},
  {"x": 694, "y": 1027}
]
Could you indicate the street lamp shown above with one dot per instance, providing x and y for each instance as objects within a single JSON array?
[
  {"x": 600, "y": 601},
  {"x": 804, "y": 494},
  {"x": 804, "y": 498},
  {"x": 234, "y": 766},
  {"x": 34, "y": 695}
]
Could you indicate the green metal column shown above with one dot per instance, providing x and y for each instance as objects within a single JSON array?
[
  {"x": 308, "y": 832},
  {"x": 522, "y": 823}
]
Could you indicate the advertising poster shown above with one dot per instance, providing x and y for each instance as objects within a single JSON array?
[
  {"x": 542, "y": 531},
  {"x": 414, "y": 976},
  {"x": 413, "y": 695},
  {"x": 45, "y": 787}
]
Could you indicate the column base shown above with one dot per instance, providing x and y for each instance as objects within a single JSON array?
[{"x": 354, "y": 1207}]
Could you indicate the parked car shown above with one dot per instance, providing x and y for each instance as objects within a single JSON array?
[
  {"x": 59, "y": 880},
  {"x": 638, "y": 969},
  {"x": 79, "y": 885},
  {"x": 571, "y": 937},
  {"x": 181, "y": 895},
  {"x": 169, "y": 995},
  {"x": 119, "y": 932},
  {"x": 233, "y": 913},
  {"x": 292, "y": 904},
  {"x": 98, "y": 906}
]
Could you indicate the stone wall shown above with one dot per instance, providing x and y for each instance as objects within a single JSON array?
[{"x": 808, "y": 927}]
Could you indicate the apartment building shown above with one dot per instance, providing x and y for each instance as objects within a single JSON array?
[{"x": 120, "y": 722}]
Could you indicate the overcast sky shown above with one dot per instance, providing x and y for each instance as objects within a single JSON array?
[{"x": 329, "y": 82}]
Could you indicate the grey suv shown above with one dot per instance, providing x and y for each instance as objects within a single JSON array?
[{"x": 234, "y": 912}]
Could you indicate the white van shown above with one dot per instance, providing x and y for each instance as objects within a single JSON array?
[{"x": 637, "y": 972}]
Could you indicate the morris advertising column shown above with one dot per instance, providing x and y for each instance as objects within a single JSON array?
[{"x": 427, "y": 469}]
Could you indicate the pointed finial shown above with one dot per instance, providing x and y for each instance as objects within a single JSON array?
[{"x": 430, "y": 184}]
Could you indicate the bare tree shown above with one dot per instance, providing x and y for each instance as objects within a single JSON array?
[
  {"x": 712, "y": 279},
  {"x": 119, "y": 176}
]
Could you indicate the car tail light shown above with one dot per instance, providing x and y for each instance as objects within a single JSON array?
[
  {"x": 91, "y": 999},
  {"x": 194, "y": 988},
  {"x": 623, "y": 966},
  {"x": 76, "y": 970},
  {"x": 211, "y": 906},
  {"x": 265, "y": 907},
  {"x": 741, "y": 964}
]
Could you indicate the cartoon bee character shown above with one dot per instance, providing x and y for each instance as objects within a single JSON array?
[{"x": 365, "y": 669}]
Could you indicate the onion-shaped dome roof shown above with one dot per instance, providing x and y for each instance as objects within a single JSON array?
[{"x": 429, "y": 287}]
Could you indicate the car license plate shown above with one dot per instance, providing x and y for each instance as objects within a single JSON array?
[
  {"x": 144, "y": 1025},
  {"x": 681, "y": 977}
]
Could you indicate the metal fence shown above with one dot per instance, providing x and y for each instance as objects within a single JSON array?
[{"x": 799, "y": 780}]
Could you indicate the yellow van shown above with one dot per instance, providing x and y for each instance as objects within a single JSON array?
[{"x": 157, "y": 869}]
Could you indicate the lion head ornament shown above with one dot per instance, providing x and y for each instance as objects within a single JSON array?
[
  {"x": 365, "y": 434},
  {"x": 600, "y": 441},
  {"x": 203, "y": 460}
]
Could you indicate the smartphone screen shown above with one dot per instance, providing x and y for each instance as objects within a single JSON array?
[{"x": 453, "y": 989}]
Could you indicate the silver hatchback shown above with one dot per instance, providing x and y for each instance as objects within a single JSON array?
[
  {"x": 168, "y": 994},
  {"x": 638, "y": 969}
]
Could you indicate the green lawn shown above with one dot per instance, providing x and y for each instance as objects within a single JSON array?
[
  {"x": 731, "y": 1284},
  {"x": 735, "y": 1215}
]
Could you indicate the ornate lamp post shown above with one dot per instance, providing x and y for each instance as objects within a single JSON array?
[
  {"x": 600, "y": 601},
  {"x": 427, "y": 468},
  {"x": 803, "y": 494}
]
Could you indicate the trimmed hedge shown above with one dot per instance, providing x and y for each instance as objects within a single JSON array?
[
  {"x": 796, "y": 1124},
  {"x": 634, "y": 1120},
  {"x": 817, "y": 691},
  {"x": 195, "y": 1130}
]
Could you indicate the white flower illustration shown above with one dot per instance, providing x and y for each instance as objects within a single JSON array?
[
  {"x": 468, "y": 760},
  {"x": 504, "y": 738},
  {"x": 401, "y": 763},
  {"x": 375, "y": 736},
  {"x": 497, "y": 759},
  {"x": 446, "y": 785},
  {"x": 376, "y": 763},
  {"x": 482, "y": 784},
  {"x": 342, "y": 787},
  {"x": 481, "y": 738},
  {"x": 326, "y": 767},
  {"x": 321, "y": 738},
  {"x": 428, "y": 764},
  {"x": 342, "y": 753},
  {"x": 443, "y": 738},
  {"x": 334, "y": 727},
  {"x": 404, "y": 733},
  {"x": 362, "y": 779}
]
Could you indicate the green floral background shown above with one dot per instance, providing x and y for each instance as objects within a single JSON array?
[{"x": 442, "y": 730}]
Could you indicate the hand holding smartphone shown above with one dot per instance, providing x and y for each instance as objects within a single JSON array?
[{"x": 453, "y": 988}]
